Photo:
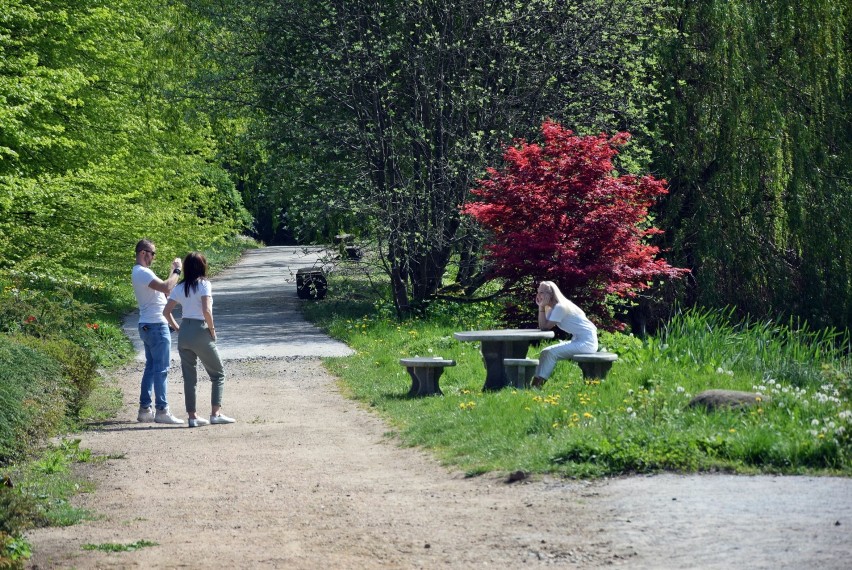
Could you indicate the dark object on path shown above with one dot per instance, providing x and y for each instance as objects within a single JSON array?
[
  {"x": 354, "y": 252},
  {"x": 517, "y": 476},
  {"x": 726, "y": 399},
  {"x": 311, "y": 283}
]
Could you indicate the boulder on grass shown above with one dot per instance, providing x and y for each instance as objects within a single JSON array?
[{"x": 726, "y": 399}]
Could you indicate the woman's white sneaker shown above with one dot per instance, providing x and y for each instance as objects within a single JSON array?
[
  {"x": 220, "y": 419},
  {"x": 166, "y": 417},
  {"x": 197, "y": 422}
]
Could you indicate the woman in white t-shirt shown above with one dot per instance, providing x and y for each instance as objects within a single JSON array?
[
  {"x": 555, "y": 310},
  {"x": 197, "y": 338}
]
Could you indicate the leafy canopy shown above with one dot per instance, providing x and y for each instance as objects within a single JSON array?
[{"x": 559, "y": 211}]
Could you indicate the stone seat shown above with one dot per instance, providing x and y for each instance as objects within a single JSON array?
[
  {"x": 425, "y": 373},
  {"x": 596, "y": 365},
  {"x": 520, "y": 371}
]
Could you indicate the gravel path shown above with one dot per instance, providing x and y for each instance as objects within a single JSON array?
[{"x": 308, "y": 479}]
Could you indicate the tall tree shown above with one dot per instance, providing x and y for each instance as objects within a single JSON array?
[
  {"x": 398, "y": 106},
  {"x": 558, "y": 211},
  {"x": 95, "y": 149},
  {"x": 758, "y": 153}
]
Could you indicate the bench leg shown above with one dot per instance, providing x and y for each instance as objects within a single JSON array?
[
  {"x": 595, "y": 370},
  {"x": 520, "y": 376},
  {"x": 424, "y": 381}
]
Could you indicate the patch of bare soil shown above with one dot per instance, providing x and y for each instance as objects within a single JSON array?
[{"x": 308, "y": 479}]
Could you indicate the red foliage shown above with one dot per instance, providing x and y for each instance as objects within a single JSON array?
[{"x": 557, "y": 211}]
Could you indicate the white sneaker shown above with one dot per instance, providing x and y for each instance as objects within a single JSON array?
[
  {"x": 146, "y": 415},
  {"x": 220, "y": 419},
  {"x": 197, "y": 422},
  {"x": 166, "y": 417}
]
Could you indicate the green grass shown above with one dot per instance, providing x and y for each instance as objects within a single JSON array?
[
  {"x": 116, "y": 547},
  {"x": 636, "y": 421},
  {"x": 36, "y": 493}
]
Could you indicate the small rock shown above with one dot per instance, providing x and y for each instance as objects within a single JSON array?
[{"x": 713, "y": 400}]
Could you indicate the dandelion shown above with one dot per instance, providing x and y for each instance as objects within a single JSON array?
[
  {"x": 732, "y": 430},
  {"x": 814, "y": 422},
  {"x": 680, "y": 390},
  {"x": 629, "y": 410},
  {"x": 587, "y": 415}
]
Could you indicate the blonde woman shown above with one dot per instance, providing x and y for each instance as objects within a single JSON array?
[{"x": 555, "y": 310}]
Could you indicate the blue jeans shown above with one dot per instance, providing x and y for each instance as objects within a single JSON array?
[{"x": 158, "y": 343}]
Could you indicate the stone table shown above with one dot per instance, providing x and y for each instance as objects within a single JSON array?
[{"x": 498, "y": 345}]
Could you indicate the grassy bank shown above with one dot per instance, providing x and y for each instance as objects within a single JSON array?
[{"x": 636, "y": 421}]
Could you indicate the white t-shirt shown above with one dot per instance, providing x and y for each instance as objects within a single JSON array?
[
  {"x": 191, "y": 305},
  {"x": 151, "y": 302},
  {"x": 573, "y": 320}
]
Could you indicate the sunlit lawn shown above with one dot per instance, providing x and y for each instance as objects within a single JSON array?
[{"x": 637, "y": 420}]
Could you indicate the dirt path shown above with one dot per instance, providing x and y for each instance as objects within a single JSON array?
[{"x": 307, "y": 479}]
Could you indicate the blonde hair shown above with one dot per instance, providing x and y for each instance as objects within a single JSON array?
[{"x": 560, "y": 298}]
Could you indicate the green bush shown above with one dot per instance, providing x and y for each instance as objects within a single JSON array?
[
  {"x": 79, "y": 367},
  {"x": 33, "y": 397}
]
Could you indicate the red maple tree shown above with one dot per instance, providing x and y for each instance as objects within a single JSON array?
[{"x": 559, "y": 211}]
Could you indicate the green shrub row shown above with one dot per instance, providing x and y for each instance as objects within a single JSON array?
[{"x": 33, "y": 397}]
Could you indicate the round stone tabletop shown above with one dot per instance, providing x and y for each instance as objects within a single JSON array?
[{"x": 503, "y": 335}]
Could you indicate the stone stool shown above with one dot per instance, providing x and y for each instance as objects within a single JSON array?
[
  {"x": 595, "y": 366},
  {"x": 425, "y": 373},
  {"x": 520, "y": 371}
]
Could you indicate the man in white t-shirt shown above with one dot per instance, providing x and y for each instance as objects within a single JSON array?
[{"x": 151, "y": 292}]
